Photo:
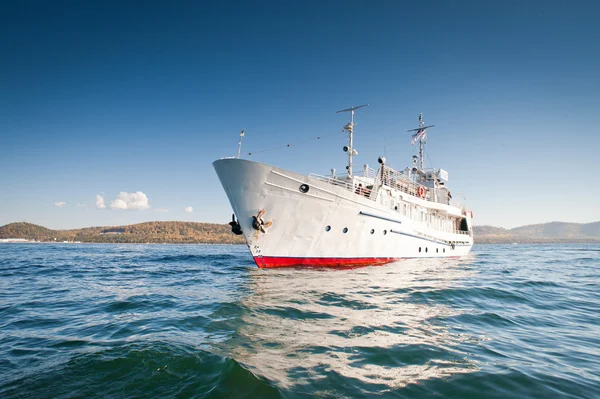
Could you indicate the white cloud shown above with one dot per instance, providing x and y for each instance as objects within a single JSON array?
[
  {"x": 100, "y": 202},
  {"x": 189, "y": 209},
  {"x": 59, "y": 204},
  {"x": 137, "y": 200}
]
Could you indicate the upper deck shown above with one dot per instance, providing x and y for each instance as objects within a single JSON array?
[{"x": 422, "y": 185}]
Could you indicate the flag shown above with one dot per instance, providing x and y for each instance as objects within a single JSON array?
[{"x": 421, "y": 133}]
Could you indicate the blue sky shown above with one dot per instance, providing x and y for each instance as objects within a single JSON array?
[{"x": 103, "y": 98}]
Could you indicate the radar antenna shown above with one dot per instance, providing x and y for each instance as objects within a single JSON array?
[
  {"x": 350, "y": 129},
  {"x": 420, "y": 135}
]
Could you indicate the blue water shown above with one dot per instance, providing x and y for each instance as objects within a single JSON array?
[{"x": 179, "y": 321}]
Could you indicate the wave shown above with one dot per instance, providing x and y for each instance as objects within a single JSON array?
[
  {"x": 148, "y": 369},
  {"x": 193, "y": 257},
  {"x": 507, "y": 383}
]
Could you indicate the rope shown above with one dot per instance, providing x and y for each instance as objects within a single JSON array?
[{"x": 291, "y": 144}]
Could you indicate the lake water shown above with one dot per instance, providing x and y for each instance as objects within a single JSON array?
[{"x": 181, "y": 321}]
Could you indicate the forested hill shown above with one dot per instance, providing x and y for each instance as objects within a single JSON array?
[
  {"x": 546, "y": 232},
  {"x": 150, "y": 232}
]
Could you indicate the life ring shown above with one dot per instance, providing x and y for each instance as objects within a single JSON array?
[{"x": 420, "y": 191}]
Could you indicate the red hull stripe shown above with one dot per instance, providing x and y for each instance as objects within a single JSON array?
[{"x": 273, "y": 261}]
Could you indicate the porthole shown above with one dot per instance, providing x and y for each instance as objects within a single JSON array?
[
  {"x": 372, "y": 231},
  {"x": 419, "y": 249},
  {"x": 396, "y": 208},
  {"x": 327, "y": 228},
  {"x": 304, "y": 188},
  {"x": 345, "y": 230},
  {"x": 384, "y": 232},
  {"x": 426, "y": 249}
]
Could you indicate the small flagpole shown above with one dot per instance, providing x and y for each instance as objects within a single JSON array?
[
  {"x": 240, "y": 143},
  {"x": 421, "y": 157}
]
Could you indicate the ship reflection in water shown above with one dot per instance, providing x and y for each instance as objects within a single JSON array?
[{"x": 379, "y": 325}]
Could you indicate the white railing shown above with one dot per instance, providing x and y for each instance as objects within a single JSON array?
[
  {"x": 333, "y": 180},
  {"x": 357, "y": 188},
  {"x": 390, "y": 178},
  {"x": 399, "y": 181},
  {"x": 369, "y": 173}
]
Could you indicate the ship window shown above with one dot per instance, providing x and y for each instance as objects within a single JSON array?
[
  {"x": 419, "y": 249},
  {"x": 327, "y": 228},
  {"x": 372, "y": 231},
  {"x": 384, "y": 232},
  {"x": 345, "y": 230},
  {"x": 426, "y": 249},
  {"x": 437, "y": 250},
  {"x": 304, "y": 188}
]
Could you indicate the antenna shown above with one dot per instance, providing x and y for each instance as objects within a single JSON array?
[
  {"x": 350, "y": 129},
  {"x": 421, "y": 135},
  {"x": 240, "y": 142}
]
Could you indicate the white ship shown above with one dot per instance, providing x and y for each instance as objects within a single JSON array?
[{"x": 358, "y": 219}]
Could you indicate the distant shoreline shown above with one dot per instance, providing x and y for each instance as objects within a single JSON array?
[
  {"x": 535, "y": 240},
  {"x": 141, "y": 233},
  {"x": 119, "y": 243},
  {"x": 211, "y": 233},
  {"x": 486, "y": 242}
]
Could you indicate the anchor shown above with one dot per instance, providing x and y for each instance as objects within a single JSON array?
[
  {"x": 235, "y": 226},
  {"x": 258, "y": 223}
]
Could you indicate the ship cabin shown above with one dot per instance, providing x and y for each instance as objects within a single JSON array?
[{"x": 419, "y": 195}]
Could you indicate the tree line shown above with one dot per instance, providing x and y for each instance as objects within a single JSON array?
[{"x": 149, "y": 232}]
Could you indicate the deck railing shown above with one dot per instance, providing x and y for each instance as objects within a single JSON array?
[
  {"x": 399, "y": 181},
  {"x": 334, "y": 181},
  {"x": 389, "y": 178}
]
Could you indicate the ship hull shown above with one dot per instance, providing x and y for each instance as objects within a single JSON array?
[{"x": 326, "y": 226}]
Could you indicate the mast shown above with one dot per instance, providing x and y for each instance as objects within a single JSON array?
[
  {"x": 421, "y": 135},
  {"x": 350, "y": 129}
]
